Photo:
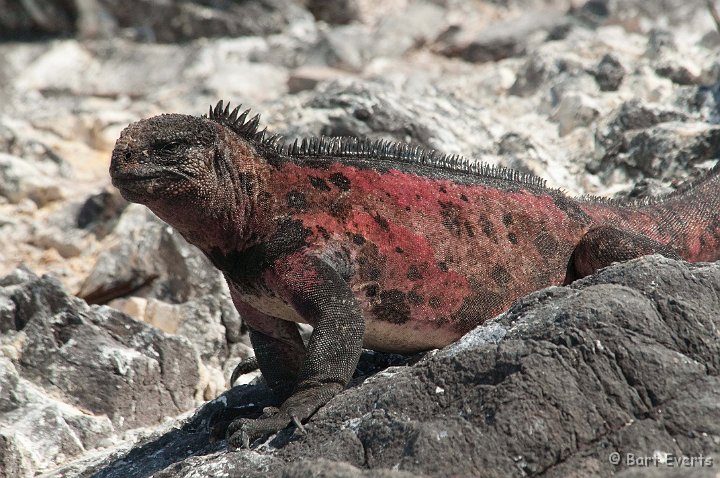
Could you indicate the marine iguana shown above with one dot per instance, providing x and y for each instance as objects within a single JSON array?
[{"x": 377, "y": 244}]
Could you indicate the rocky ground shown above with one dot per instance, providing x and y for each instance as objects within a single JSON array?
[{"x": 114, "y": 333}]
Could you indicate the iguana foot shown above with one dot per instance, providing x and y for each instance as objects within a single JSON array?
[{"x": 296, "y": 409}]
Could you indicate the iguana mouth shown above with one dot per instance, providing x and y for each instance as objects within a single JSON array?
[
  {"x": 130, "y": 178},
  {"x": 129, "y": 181},
  {"x": 139, "y": 188}
]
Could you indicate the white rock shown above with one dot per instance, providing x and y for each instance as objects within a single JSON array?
[
  {"x": 574, "y": 110},
  {"x": 21, "y": 179}
]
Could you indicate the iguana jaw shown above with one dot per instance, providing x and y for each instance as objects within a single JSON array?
[{"x": 141, "y": 188}]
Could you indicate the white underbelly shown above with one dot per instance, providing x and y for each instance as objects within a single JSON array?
[{"x": 409, "y": 337}]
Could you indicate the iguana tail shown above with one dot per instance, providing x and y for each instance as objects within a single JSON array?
[{"x": 688, "y": 220}]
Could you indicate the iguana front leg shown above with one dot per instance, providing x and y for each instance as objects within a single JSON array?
[{"x": 325, "y": 300}]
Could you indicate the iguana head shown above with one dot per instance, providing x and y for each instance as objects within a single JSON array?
[
  {"x": 166, "y": 158},
  {"x": 199, "y": 174}
]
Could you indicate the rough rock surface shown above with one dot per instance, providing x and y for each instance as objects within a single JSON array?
[
  {"x": 145, "y": 20},
  {"x": 625, "y": 361},
  {"x": 103, "y": 372},
  {"x": 616, "y": 97}
]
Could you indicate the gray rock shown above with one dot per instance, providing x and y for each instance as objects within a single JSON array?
[
  {"x": 420, "y": 114},
  {"x": 29, "y": 169},
  {"x": 574, "y": 111},
  {"x": 23, "y": 21},
  {"x": 677, "y": 73},
  {"x": 614, "y": 134},
  {"x": 79, "y": 374},
  {"x": 592, "y": 13},
  {"x": 667, "y": 63},
  {"x": 659, "y": 43},
  {"x": 307, "y": 78},
  {"x": 519, "y": 151},
  {"x": 534, "y": 73},
  {"x": 67, "y": 242},
  {"x": 623, "y": 361},
  {"x": 702, "y": 101},
  {"x": 145, "y": 20},
  {"x": 38, "y": 431},
  {"x": 609, "y": 73},
  {"x": 648, "y": 188},
  {"x": 346, "y": 47},
  {"x": 152, "y": 261},
  {"x": 353, "y": 46},
  {"x": 500, "y": 40},
  {"x": 17, "y": 143},
  {"x": 337, "y": 12},
  {"x": 100, "y": 212},
  {"x": 666, "y": 151},
  {"x": 24, "y": 179},
  {"x": 662, "y": 12}
]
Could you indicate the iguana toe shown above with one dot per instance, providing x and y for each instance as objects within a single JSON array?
[{"x": 243, "y": 431}]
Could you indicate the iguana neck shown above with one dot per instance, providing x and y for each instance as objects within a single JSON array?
[{"x": 232, "y": 216}]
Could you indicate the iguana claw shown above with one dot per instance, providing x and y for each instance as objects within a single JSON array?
[
  {"x": 298, "y": 424},
  {"x": 300, "y": 406}
]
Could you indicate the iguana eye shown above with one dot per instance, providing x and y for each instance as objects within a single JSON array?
[{"x": 169, "y": 147}]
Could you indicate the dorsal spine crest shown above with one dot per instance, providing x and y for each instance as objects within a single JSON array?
[{"x": 360, "y": 148}]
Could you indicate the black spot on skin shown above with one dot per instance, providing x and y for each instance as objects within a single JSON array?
[
  {"x": 246, "y": 184},
  {"x": 546, "y": 245},
  {"x": 450, "y": 217},
  {"x": 373, "y": 273},
  {"x": 413, "y": 273},
  {"x": 399, "y": 250},
  {"x": 247, "y": 265},
  {"x": 512, "y": 238},
  {"x": 435, "y": 302},
  {"x": 415, "y": 298},
  {"x": 296, "y": 200},
  {"x": 417, "y": 196},
  {"x": 370, "y": 262},
  {"x": 340, "y": 209},
  {"x": 500, "y": 275},
  {"x": 507, "y": 219},
  {"x": 339, "y": 180},
  {"x": 464, "y": 197},
  {"x": 323, "y": 232},
  {"x": 442, "y": 266},
  {"x": 469, "y": 229},
  {"x": 358, "y": 239},
  {"x": 487, "y": 227},
  {"x": 571, "y": 208},
  {"x": 372, "y": 290},
  {"x": 443, "y": 190},
  {"x": 319, "y": 183},
  {"x": 407, "y": 208},
  {"x": 392, "y": 307},
  {"x": 382, "y": 222}
]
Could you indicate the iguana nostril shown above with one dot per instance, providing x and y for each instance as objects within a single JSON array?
[{"x": 128, "y": 154}]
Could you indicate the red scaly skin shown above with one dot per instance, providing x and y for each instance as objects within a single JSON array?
[{"x": 377, "y": 249}]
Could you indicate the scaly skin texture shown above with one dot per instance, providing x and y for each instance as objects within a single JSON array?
[{"x": 377, "y": 245}]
